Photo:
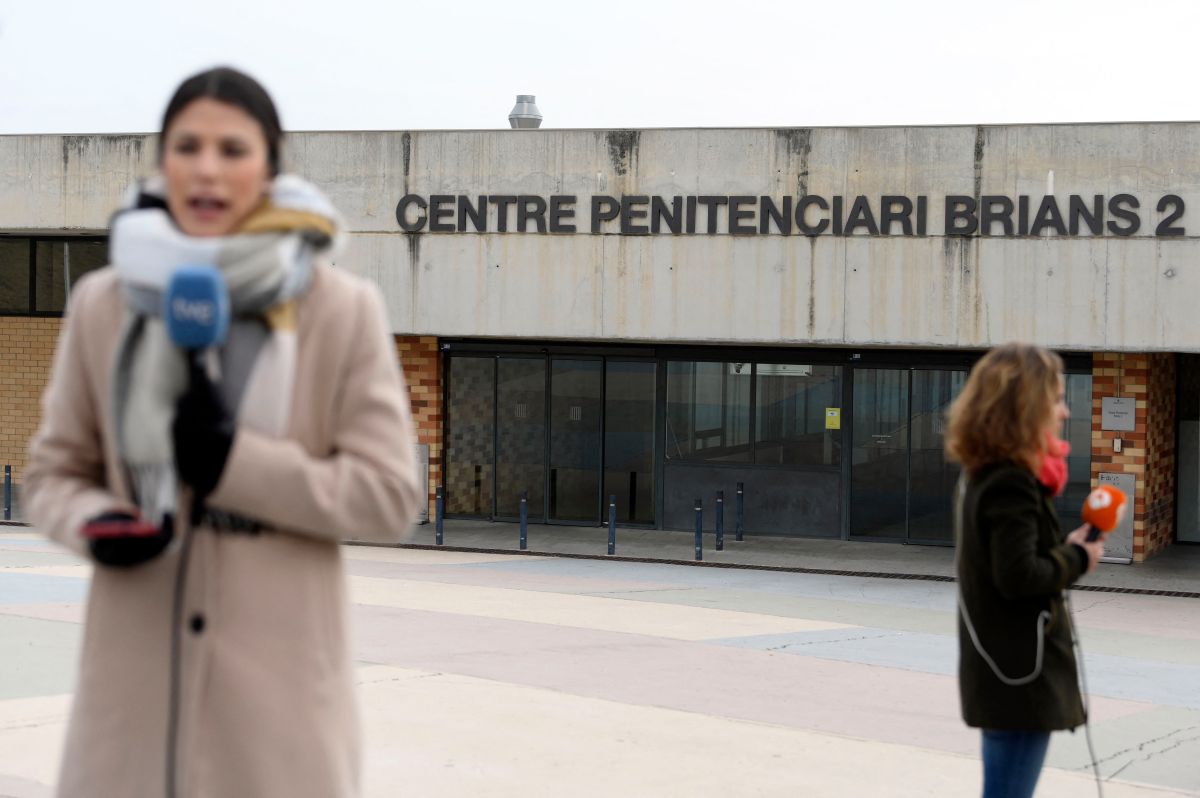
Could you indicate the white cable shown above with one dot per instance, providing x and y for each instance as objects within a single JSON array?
[
  {"x": 1043, "y": 616},
  {"x": 1087, "y": 722}
]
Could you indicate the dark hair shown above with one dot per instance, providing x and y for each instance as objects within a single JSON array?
[{"x": 234, "y": 88}]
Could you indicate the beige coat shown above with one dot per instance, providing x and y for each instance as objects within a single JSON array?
[{"x": 266, "y": 691}]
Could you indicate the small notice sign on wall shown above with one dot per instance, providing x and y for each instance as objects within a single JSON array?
[
  {"x": 1118, "y": 545},
  {"x": 833, "y": 418},
  {"x": 1117, "y": 414}
]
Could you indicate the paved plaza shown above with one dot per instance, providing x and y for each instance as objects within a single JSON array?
[{"x": 501, "y": 675}]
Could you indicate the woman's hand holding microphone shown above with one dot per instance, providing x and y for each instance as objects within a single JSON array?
[
  {"x": 1103, "y": 510},
  {"x": 202, "y": 433},
  {"x": 197, "y": 317},
  {"x": 1094, "y": 549}
]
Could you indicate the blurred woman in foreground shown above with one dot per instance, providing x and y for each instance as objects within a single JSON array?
[{"x": 215, "y": 659}]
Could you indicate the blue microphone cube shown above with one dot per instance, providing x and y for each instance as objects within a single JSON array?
[{"x": 196, "y": 308}]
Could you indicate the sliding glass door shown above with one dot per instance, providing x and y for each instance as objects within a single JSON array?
[
  {"x": 567, "y": 431},
  {"x": 879, "y": 454},
  {"x": 575, "y": 426},
  {"x": 901, "y": 485},
  {"x": 470, "y": 436},
  {"x": 630, "y": 390},
  {"x": 819, "y": 449},
  {"x": 932, "y": 478},
  {"x": 521, "y": 436}
]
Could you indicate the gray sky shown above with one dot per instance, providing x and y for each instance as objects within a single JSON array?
[{"x": 73, "y": 66}]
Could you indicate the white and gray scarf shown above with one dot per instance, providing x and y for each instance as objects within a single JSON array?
[{"x": 267, "y": 264}]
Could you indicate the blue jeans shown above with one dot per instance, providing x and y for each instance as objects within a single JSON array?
[{"x": 1012, "y": 762}]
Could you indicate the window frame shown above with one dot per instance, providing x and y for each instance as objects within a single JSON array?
[
  {"x": 754, "y": 359},
  {"x": 692, "y": 459},
  {"x": 838, "y": 375},
  {"x": 31, "y": 310}
]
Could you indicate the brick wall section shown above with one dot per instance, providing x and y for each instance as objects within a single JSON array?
[
  {"x": 1148, "y": 452},
  {"x": 26, "y": 352},
  {"x": 422, "y": 363},
  {"x": 27, "y": 349},
  {"x": 1160, "y": 445}
]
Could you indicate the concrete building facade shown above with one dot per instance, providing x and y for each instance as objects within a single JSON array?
[{"x": 660, "y": 315}]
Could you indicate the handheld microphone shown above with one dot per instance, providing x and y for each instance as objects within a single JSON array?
[
  {"x": 196, "y": 312},
  {"x": 1103, "y": 510},
  {"x": 196, "y": 308}
]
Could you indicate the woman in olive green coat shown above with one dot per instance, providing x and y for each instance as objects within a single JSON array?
[{"x": 1017, "y": 670}]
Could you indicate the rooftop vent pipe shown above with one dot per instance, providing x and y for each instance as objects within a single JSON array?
[{"x": 525, "y": 114}]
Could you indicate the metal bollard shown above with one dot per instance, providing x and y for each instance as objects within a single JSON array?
[
  {"x": 720, "y": 520},
  {"x": 7, "y": 493},
  {"x": 439, "y": 515},
  {"x": 612, "y": 524},
  {"x": 699, "y": 531},
  {"x": 632, "y": 495},
  {"x": 524, "y": 520},
  {"x": 739, "y": 509}
]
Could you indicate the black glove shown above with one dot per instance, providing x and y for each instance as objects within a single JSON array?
[
  {"x": 202, "y": 432},
  {"x": 1082, "y": 556},
  {"x": 125, "y": 552}
]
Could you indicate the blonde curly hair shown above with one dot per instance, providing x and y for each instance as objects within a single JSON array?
[{"x": 1005, "y": 408}]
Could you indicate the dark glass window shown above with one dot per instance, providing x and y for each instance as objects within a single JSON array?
[
  {"x": 1078, "y": 433},
  {"x": 470, "y": 435},
  {"x": 576, "y": 410},
  {"x": 57, "y": 265},
  {"x": 879, "y": 475},
  {"x": 14, "y": 275},
  {"x": 521, "y": 436},
  {"x": 629, "y": 399},
  {"x": 51, "y": 275},
  {"x": 708, "y": 411},
  {"x": 798, "y": 419},
  {"x": 932, "y": 479}
]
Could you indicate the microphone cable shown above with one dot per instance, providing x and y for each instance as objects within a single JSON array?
[
  {"x": 1084, "y": 697},
  {"x": 176, "y": 665},
  {"x": 1043, "y": 616}
]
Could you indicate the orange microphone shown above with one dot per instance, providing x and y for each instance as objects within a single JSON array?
[{"x": 1103, "y": 510}]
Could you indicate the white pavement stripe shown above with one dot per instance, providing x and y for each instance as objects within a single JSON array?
[
  {"x": 434, "y": 734},
  {"x": 672, "y": 621},
  {"x": 31, "y": 738},
  {"x": 73, "y": 571}
]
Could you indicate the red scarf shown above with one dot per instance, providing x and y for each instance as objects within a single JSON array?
[{"x": 1053, "y": 471}]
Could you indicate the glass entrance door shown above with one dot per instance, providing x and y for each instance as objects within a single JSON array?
[
  {"x": 931, "y": 477},
  {"x": 629, "y": 423},
  {"x": 902, "y": 487},
  {"x": 576, "y": 410},
  {"x": 471, "y": 436},
  {"x": 879, "y": 456},
  {"x": 568, "y": 430},
  {"x": 521, "y": 436}
]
